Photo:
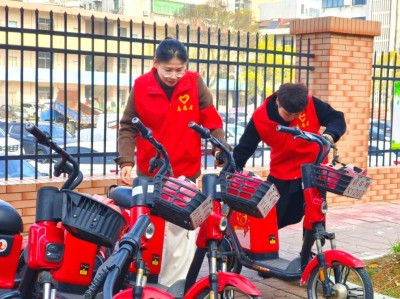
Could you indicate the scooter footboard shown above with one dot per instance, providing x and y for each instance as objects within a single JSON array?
[
  {"x": 224, "y": 279},
  {"x": 148, "y": 293},
  {"x": 331, "y": 256}
]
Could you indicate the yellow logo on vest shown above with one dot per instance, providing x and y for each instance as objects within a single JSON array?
[
  {"x": 302, "y": 121},
  {"x": 184, "y": 99}
]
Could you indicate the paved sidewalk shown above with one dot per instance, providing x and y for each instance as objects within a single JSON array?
[{"x": 366, "y": 231}]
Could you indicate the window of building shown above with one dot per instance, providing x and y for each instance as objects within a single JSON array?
[
  {"x": 123, "y": 32},
  {"x": 167, "y": 7},
  {"x": 12, "y": 24},
  {"x": 313, "y": 12},
  {"x": 44, "y": 60},
  {"x": 332, "y": 3},
  {"x": 12, "y": 61},
  {"x": 359, "y": 2},
  {"x": 45, "y": 24},
  {"x": 123, "y": 65},
  {"x": 44, "y": 93},
  {"x": 302, "y": 9}
]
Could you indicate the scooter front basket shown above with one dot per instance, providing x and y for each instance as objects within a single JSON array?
[
  {"x": 243, "y": 193},
  {"x": 88, "y": 219},
  {"x": 338, "y": 181},
  {"x": 178, "y": 200}
]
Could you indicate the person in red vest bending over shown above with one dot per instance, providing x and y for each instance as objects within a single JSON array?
[
  {"x": 291, "y": 105},
  {"x": 166, "y": 99}
]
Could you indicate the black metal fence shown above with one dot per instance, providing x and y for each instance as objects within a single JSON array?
[
  {"x": 384, "y": 141},
  {"x": 71, "y": 75}
]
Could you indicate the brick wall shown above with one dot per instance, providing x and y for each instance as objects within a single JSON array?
[{"x": 343, "y": 58}]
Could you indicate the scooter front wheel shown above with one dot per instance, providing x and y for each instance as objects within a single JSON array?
[
  {"x": 228, "y": 292},
  {"x": 346, "y": 282}
]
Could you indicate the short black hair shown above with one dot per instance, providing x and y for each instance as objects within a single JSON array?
[
  {"x": 171, "y": 48},
  {"x": 293, "y": 97}
]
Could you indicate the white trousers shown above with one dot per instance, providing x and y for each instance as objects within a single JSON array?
[{"x": 178, "y": 252}]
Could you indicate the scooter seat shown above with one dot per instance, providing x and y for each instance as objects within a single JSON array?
[{"x": 10, "y": 220}]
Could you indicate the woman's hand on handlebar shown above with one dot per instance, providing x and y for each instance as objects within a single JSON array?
[{"x": 125, "y": 174}]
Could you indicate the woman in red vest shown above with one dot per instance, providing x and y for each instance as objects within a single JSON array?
[
  {"x": 166, "y": 99},
  {"x": 290, "y": 106}
]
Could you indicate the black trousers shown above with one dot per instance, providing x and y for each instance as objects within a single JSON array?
[{"x": 290, "y": 206}]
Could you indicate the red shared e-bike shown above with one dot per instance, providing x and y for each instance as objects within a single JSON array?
[
  {"x": 64, "y": 243},
  {"x": 132, "y": 270},
  {"x": 253, "y": 238}
]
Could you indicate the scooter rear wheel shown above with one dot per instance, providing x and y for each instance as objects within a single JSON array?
[
  {"x": 229, "y": 292},
  {"x": 347, "y": 282}
]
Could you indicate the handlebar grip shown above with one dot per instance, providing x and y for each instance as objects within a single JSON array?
[
  {"x": 40, "y": 136},
  {"x": 203, "y": 132},
  {"x": 143, "y": 130},
  {"x": 295, "y": 131}
]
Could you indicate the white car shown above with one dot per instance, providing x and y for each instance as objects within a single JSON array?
[
  {"x": 13, "y": 145},
  {"x": 380, "y": 154}
]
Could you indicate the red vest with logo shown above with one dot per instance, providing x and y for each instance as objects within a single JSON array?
[
  {"x": 287, "y": 153},
  {"x": 168, "y": 120}
]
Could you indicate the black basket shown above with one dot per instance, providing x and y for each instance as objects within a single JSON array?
[
  {"x": 91, "y": 220},
  {"x": 170, "y": 203},
  {"x": 242, "y": 193},
  {"x": 330, "y": 179}
]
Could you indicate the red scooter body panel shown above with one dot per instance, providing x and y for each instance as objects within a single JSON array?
[
  {"x": 224, "y": 279},
  {"x": 42, "y": 234},
  {"x": 10, "y": 250},
  {"x": 256, "y": 235},
  {"x": 148, "y": 293},
  {"x": 331, "y": 256},
  {"x": 209, "y": 229},
  {"x": 152, "y": 253},
  {"x": 78, "y": 261},
  {"x": 313, "y": 212}
]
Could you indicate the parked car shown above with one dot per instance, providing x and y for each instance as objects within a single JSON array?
[
  {"x": 14, "y": 169},
  {"x": 13, "y": 145},
  {"x": 380, "y": 154},
  {"x": 384, "y": 125},
  {"x": 13, "y": 112},
  {"x": 30, "y": 109},
  {"x": 29, "y": 142},
  {"x": 379, "y": 134},
  {"x": 86, "y": 164}
]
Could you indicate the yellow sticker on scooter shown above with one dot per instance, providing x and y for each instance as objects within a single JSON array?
[
  {"x": 155, "y": 260},
  {"x": 272, "y": 239},
  {"x": 84, "y": 269}
]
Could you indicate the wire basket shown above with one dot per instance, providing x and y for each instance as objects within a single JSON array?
[
  {"x": 331, "y": 179},
  {"x": 243, "y": 193},
  {"x": 178, "y": 201},
  {"x": 90, "y": 220}
]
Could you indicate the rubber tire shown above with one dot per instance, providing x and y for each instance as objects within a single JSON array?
[
  {"x": 362, "y": 275},
  {"x": 205, "y": 295}
]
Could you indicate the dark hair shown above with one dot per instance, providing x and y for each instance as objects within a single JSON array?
[
  {"x": 171, "y": 48},
  {"x": 293, "y": 97}
]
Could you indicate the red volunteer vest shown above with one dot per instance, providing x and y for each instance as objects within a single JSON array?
[
  {"x": 168, "y": 120},
  {"x": 287, "y": 153}
]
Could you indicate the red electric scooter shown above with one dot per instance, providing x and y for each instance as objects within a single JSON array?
[
  {"x": 65, "y": 240},
  {"x": 164, "y": 198},
  {"x": 253, "y": 236}
]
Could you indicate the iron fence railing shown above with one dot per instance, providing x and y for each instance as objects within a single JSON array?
[
  {"x": 383, "y": 149},
  {"x": 75, "y": 72}
]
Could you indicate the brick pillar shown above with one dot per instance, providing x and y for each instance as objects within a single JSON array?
[{"x": 343, "y": 51}]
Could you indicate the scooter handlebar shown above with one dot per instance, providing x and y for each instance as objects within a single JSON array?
[
  {"x": 40, "y": 136},
  {"x": 143, "y": 130}
]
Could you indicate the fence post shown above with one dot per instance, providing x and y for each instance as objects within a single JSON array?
[{"x": 343, "y": 51}]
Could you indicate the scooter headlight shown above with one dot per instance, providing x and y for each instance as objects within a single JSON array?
[
  {"x": 149, "y": 231},
  {"x": 223, "y": 223},
  {"x": 324, "y": 207}
]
